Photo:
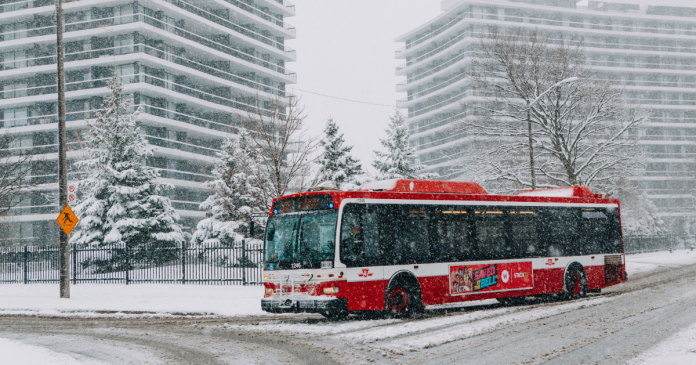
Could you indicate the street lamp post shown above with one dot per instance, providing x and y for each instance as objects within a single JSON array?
[{"x": 529, "y": 126}]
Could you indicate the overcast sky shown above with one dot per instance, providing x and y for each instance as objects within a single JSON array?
[{"x": 346, "y": 49}]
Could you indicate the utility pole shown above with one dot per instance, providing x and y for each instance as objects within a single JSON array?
[{"x": 62, "y": 158}]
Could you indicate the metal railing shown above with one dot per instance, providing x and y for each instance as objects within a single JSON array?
[
  {"x": 641, "y": 244},
  {"x": 234, "y": 265},
  {"x": 193, "y": 90}
]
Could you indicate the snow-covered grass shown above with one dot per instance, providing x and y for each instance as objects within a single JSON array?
[
  {"x": 678, "y": 349},
  {"x": 654, "y": 260},
  {"x": 18, "y": 353},
  {"x": 157, "y": 299}
]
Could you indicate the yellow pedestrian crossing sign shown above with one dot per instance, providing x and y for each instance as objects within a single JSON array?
[{"x": 67, "y": 219}]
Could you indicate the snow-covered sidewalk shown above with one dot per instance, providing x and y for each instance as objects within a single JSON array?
[{"x": 221, "y": 300}]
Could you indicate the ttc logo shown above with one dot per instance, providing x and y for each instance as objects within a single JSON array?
[
  {"x": 550, "y": 262},
  {"x": 365, "y": 273}
]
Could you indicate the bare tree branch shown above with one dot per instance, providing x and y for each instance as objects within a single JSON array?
[
  {"x": 580, "y": 130},
  {"x": 275, "y": 128}
]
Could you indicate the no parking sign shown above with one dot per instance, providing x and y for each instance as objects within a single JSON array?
[{"x": 72, "y": 193}]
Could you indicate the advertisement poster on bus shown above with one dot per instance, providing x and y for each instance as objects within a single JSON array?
[{"x": 481, "y": 278}]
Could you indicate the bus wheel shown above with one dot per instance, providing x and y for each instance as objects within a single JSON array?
[
  {"x": 399, "y": 301},
  {"x": 575, "y": 283}
]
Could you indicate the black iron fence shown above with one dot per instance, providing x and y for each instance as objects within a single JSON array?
[
  {"x": 640, "y": 244},
  {"x": 238, "y": 265}
]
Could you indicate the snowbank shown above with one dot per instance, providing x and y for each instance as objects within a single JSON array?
[
  {"x": 678, "y": 349},
  {"x": 154, "y": 299}
]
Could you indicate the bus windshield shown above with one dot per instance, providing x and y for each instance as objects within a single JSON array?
[{"x": 301, "y": 238}]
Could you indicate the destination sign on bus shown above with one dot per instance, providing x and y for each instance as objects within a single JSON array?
[
  {"x": 303, "y": 203},
  {"x": 474, "y": 279}
]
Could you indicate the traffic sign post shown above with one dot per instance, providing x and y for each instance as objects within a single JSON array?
[
  {"x": 62, "y": 155},
  {"x": 67, "y": 220}
]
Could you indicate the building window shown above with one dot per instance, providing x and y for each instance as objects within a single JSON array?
[{"x": 16, "y": 117}]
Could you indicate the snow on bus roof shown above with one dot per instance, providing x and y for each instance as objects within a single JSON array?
[
  {"x": 423, "y": 186},
  {"x": 565, "y": 192},
  {"x": 379, "y": 185}
]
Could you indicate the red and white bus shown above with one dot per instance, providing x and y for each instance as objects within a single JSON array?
[{"x": 398, "y": 245}]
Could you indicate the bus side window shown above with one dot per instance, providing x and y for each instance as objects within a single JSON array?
[
  {"x": 490, "y": 233},
  {"x": 524, "y": 238},
  {"x": 451, "y": 241},
  {"x": 411, "y": 240},
  {"x": 594, "y": 224},
  {"x": 351, "y": 235},
  {"x": 613, "y": 242},
  {"x": 360, "y": 244},
  {"x": 559, "y": 230}
]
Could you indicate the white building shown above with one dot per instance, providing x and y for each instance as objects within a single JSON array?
[
  {"x": 648, "y": 47},
  {"x": 192, "y": 66}
]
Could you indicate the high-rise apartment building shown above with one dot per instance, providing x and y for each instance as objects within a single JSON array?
[
  {"x": 646, "y": 47},
  {"x": 192, "y": 67}
]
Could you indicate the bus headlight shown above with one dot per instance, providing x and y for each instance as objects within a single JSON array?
[
  {"x": 333, "y": 290},
  {"x": 269, "y": 291}
]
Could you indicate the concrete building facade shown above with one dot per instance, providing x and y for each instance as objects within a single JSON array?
[
  {"x": 191, "y": 66},
  {"x": 646, "y": 47}
]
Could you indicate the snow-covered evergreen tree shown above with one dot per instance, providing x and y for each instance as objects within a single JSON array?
[
  {"x": 337, "y": 166},
  {"x": 639, "y": 216},
  {"x": 398, "y": 162},
  {"x": 123, "y": 206},
  {"x": 236, "y": 194}
]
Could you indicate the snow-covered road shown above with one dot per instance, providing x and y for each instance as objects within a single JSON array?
[{"x": 648, "y": 318}]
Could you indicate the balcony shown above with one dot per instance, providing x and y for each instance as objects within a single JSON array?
[
  {"x": 230, "y": 25},
  {"x": 430, "y": 53},
  {"x": 444, "y": 101},
  {"x": 431, "y": 34},
  {"x": 209, "y": 120},
  {"x": 128, "y": 19},
  {"x": 216, "y": 95},
  {"x": 431, "y": 70},
  {"x": 268, "y": 87},
  {"x": 457, "y": 77},
  {"x": 181, "y": 146},
  {"x": 262, "y": 14}
]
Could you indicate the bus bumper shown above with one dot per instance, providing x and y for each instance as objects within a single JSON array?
[{"x": 304, "y": 305}]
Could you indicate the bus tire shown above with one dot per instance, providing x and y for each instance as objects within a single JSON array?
[
  {"x": 574, "y": 282},
  {"x": 403, "y": 298}
]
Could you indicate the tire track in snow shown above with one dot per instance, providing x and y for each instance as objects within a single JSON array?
[{"x": 431, "y": 337}]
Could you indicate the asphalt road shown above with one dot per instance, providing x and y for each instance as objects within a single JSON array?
[{"x": 612, "y": 328}]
